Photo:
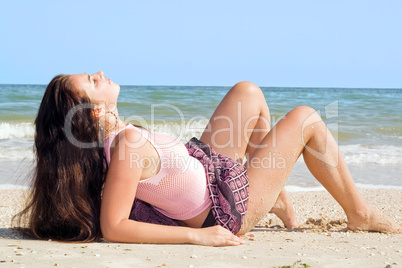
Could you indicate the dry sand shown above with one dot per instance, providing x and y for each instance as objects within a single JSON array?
[{"x": 320, "y": 242}]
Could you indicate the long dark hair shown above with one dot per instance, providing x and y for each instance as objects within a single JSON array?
[{"x": 67, "y": 182}]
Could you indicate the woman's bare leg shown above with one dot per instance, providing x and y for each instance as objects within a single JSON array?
[
  {"x": 236, "y": 129},
  {"x": 303, "y": 132}
]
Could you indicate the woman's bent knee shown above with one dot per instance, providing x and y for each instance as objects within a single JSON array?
[
  {"x": 246, "y": 87},
  {"x": 304, "y": 114},
  {"x": 307, "y": 121},
  {"x": 304, "y": 110}
]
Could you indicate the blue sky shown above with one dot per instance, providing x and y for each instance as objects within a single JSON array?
[{"x": 212, "y": 43}]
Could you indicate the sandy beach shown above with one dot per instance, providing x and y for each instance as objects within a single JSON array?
[{"x": 321, "y": 241}]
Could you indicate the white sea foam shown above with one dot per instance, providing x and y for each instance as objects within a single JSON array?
[
  {"x": 16, "y": 149},
  {"x": 373, "y": 154},
  {"x": 182, "y": 130},
  {"x": 13, "y": 187},
  {"x": 16, "y": 130},
  {"x": 16, "y": 154},
  {"x": 360, "y": 154}
]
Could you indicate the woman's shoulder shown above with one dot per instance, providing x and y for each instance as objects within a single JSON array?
[{"x": 132, "y": 139}]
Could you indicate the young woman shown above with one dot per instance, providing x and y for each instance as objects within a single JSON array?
[{"x": 97, "y": 176}]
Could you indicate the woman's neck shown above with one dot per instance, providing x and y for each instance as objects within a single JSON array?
[
  {"x": 111, "y": 123},
  {"x": 121, "y": 125}
]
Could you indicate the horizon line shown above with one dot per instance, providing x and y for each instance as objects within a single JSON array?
[{"x": 300, "y": 87}]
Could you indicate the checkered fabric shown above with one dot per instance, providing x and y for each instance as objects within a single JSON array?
[{"x": 227, "y": 184}]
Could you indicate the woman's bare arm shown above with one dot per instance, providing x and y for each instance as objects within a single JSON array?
[{"x": 118, "y": 197}]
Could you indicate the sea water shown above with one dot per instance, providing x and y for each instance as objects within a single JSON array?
[{"x": 367, "y": 124}]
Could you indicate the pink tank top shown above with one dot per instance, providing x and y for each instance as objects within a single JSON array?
[{"x": 179, "y": 189}]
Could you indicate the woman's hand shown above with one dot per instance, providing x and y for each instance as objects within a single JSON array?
[{"x": 215, "y": 236}]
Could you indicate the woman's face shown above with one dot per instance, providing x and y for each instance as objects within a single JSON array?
[{"x": 98, "y": 88}]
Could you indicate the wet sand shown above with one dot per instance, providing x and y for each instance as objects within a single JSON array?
[{"x": 321, "y": 241}]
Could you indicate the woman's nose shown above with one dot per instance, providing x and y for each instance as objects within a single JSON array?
[{"x": 100, "y": 74}]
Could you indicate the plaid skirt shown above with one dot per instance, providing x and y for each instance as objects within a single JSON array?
[{"x": 227, "y": 183}]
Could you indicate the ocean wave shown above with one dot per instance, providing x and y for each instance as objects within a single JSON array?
[
  {"x": 361, "y": 154},
  {"x": 16, "y": 149},
  {"x": 16, "y": 130},
  {"x": 182, "y": 130},
  {"x": 372, "y": 154}
]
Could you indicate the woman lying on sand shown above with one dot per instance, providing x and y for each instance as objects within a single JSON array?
[{"x": 99, "y": 177}]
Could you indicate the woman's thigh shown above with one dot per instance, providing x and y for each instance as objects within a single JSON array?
[
  {"x": 269, "y": 168},
  {"x": 239, "y": 122}
]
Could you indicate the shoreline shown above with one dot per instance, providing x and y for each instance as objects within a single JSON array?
[{"x": 321, "y": 241}]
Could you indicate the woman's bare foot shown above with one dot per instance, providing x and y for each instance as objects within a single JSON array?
[
  {"x": 372, "y": 220},
  {"x": 283, "y": 208}
]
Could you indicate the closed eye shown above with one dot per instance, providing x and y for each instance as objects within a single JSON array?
[{"x": 91, "y": 80}]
